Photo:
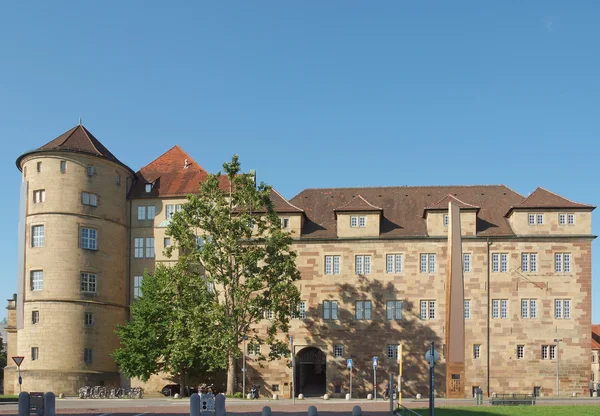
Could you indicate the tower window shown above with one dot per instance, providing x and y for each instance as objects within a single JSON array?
[
  {"x": 39, "y": 196},
  {"x": 35, "y": 353},
  {"x": 35, "y": 317},
  {"x": 118, "y": 180},
  {"x": 88, "y": 355},
  {"x": 88, "y": 319},
  {"x": 90, "y": 171},
  {"x": 39, "y": 166},
  {"x": 63, "y": 166}
]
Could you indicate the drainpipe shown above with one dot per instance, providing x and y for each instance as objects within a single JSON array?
[{"x": 489, "y": 243}]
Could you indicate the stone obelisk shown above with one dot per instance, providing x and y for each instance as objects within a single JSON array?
[{"x": 455, "y": 319}]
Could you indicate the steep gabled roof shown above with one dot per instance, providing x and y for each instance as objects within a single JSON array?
[
  {"x": 79, "y": 140},
  {"x": 543, "y": 199},
  {"x": 280, "y": 204},
  {"x": 442, "y": 205},
  {"x": 358, "y": 203},
  {"x": 172, "y": 174},
  {"x": 596, "y": 337}
]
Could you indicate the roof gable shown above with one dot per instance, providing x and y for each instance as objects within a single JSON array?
[
  {"x": 442, "y": 205},
  {"x": 280, "y": 204},
  {"x": 358, "y": 203},
  {"x": 543, "y": 199}
]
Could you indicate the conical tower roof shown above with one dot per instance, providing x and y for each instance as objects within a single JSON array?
[{"x": 78, "y": 140}]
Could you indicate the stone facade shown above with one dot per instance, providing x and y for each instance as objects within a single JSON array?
[{"x": 500, "y": 339}]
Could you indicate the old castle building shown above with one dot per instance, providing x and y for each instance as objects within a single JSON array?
[{"x": 375, "y": 274}]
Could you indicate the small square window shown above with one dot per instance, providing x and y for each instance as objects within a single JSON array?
[
  {"x": 275, "y": 387},
  {"x": 338, "y": 350},
  {"x": 392, "y": 352},
  {"x": 90, "y": 171}
]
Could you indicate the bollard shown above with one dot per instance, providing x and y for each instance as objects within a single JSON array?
[
  {"x": 249, "y": 396},
  {"x": 312, "y": 411},
  {"x": 275, "y": 396},
  {"x": 356, "y": 411},
  {"x": 23, "y": 404},
  {"x": 369, "y": 396},
  {"x": 195, "y": 405},
  {"x": 347, "y": 396},
  {"x": 220, "y": 405},
  {"x": 49, "y": 404},
  {"x": 326, "y": 397},
  {"x": 301, "y": 396},
  {"x": 266, "y": 411}
]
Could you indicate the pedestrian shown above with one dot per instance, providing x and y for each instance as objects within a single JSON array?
[{"x": 591, "y": 389}]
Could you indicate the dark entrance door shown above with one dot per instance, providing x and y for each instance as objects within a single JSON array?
[{"x": 311, "y": 379}]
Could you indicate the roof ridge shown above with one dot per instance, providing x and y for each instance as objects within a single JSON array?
[
  {"x": 72, "y": 130},
  {"x": 405, "y": 186},
  {"x": 288, "y": 202},
  {"x": 85, "y": 131}
]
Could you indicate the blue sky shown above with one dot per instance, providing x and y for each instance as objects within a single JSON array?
[{"x": 312, "y": 94}]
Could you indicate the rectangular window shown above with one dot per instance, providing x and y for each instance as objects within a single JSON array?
[
  {"x": 253, "y": 349},
  {"x": 39, "y": 166},
  {"x": 302, "y": 310},
  {"x": 476, "y": 351},
  {"x": 545, "y": 352},
  {"x": 63, "y": 166},
  {"x": 89, "y": 238},
  {"x": 88, "y": 282},
  {"x": 532, "y": 308},
  {"x": 531, "y": 219},
  {"x": 90, "y": 171},
  {"x": 35, "y": 352},
  {"x": 137, "y": 286},
  {"x": 393, "y": 310},
  {"x": 467, "y": 309},
  {"x": 330, "y": 310},
  {"x": 567, "y": 309},
  {"x": 423, "y": 309},
  {"x": 503, "y": 308},
  {"x": 89, "y": 199},
  {"x": 35, "y": 317},
  {"x": 338, "y": 350},
  {"x": 466, "y": 262},
  {"x": 392, "y": 352},
  {"x": 553, "y": 352},
  {"x": 520, "y": 352},
  {"x": 446, "y": 220},
  {"x": 363, "y": 264},
  {"x": 39, "y": 196},
  {"x": 432, "y": 309},
  {"x": 118, "y": 180},
  {"x": 540, "y": 219},
  {"x": 268, "y": 314},
  {"x": 169, "y": 211},
  {"x": 558, "y": 309},
  {"x": 495, "y": 309},
  {"x": 87, "y": 355},
  {"x": 141, "y": 213},
  {"x": 504, "y": 264},
  {"x": 570, "y": 219},
  {"x": 362, "y": 221},
  {"x": 88, "y": 319},
  {"x": 495, "y": 262},
  {"x": 562, "y": 262},
  {"x": 285, "y": 223},
  {"x": 363, "y": 310},
  {"x": 149, "y": 247},
  {"x": 428, "y": 309},
  {"x": 139, "y": 248},
  {"x": 431, "y": 263},
  {"x": 37, "y": 279},
  {"x": 529, "y": 308},
  {"x": 529, "y": 262},
  {"x": 37, "y": 236},
  {"x": 353, "y": 221},
  {"x": 151, "y": 212},
  {"x": 167, "y": 242},
  {"x": 427, "y": 263},
  {"x": 562, "y": 219},
  {"x": 332, "y": 264}
]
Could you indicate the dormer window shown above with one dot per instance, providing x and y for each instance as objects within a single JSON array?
[
  {"x": 148, "y": 187},
  {"x": 536, "y": 219},
  {"x": 357, "y": 221},
  {"x": 90, "y": 171},
  {"x": 285, "y": 223}
]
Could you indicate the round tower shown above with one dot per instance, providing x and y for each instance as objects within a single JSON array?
[{"x": 73, "y": 253}]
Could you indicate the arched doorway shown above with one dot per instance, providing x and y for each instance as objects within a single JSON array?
[{"x": 311, "y": 379}]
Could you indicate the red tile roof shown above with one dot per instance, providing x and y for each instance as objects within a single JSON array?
[
  {"x": 442, "y": 205},
  {"x": 280, "y": 204},
  {"x": 358, "y": 203},
  {"x": 543, "y": 199},
  {"x": 80, "y": 140},
  {"x": 171, "y": 176},
  {"x": 596, "y": 337},
  {"x": 403, "y": 208}
]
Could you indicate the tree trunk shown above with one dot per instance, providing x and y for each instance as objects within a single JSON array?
[
  {"x": 181, "y": 384},
  {"x": 231, "y": 374}
]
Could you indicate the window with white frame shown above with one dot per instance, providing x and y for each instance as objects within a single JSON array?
[
  {"x": 330, "y": 310},
  {"x": 499, "y": 308},
  {"x": 529, "y": 308},
  {"x": 89, "y": 238},
  {"x": 553, "y": 352},
  {"x": 301, "y": 311},
  {"x": 88, "y": 319},
  {"x": 35, "y": 352},
  {"x": 37, "y": 279},
  {"x": 466, "y": 262},
  {"x": 539, "y": 219},
  {"x": 39, "y": 195},
  {"x": 358, "y": 221},
  {"x": 504, "y": 262},
  {"x": 332, "y": 264},
  {"x": 495, "y": 309},
  {"x": 570, "y": 219},
  {"x": 137, "y": 286},
  {"x": 63, "y": 166},
  {"x": 392, "y": 351},
  {"x": 268, "y": 314},
  {"x": 548, "y": 352},
  {"x": 149, "y": 247},
  {"x": 151, "y": 212},
  {"x": 503, "y": 308},
  {"x": 285, "y": 223},
  {"x": 138, "y": 248},
  {"x": 362, "y": 310},
  {"x": 562, "y": 308},
  {"x": 362, "y": 221},
  {"x": 562, "y": 219},
  {"x": 393, "y": 310},
  {"x": 90, "y": 171},
  {"x": 363, "y": 264},
  {"x": 520, "y": 352},
  {"x": 394, "y": 263},
  {"x": 428, "y": 309},
  {"x": 500, "y": 262},
  {"x": 148, "y": 188},
  {"x": 253, "y": 349},
  {"x": 531, "y": 218},
  {"x": 562, "y": 262},
  {"x": 446, "y": 220},
  {"x": 89, "y": 199},
  {"x": 476, "y": 351},
  {"x": 35, "y": 317},
  {"x": 88, "y": 355},
  {"x": 141, "y": 213},
  {"x": 37, "y": 236},
  {"x": 353, "y": 221},
  {"x": 529, "y": 262},
  {"x": 88, "y": 282},
  {"x": 467, "y": 308},
  {"x": 338, "y": 350},
  {"x": 169, "y": 211},
  {"x": 427, "y": 263}
]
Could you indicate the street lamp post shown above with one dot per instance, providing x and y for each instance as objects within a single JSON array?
[
  {"x": 244, "y": 368},
  {"x": 557, "y": 342}
]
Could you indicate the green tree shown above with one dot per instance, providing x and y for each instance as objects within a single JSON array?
[
  {"x": 2, "y": 358},
  {"x": 232, "y": 232},
  {"x": 171, "y": 327}
]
